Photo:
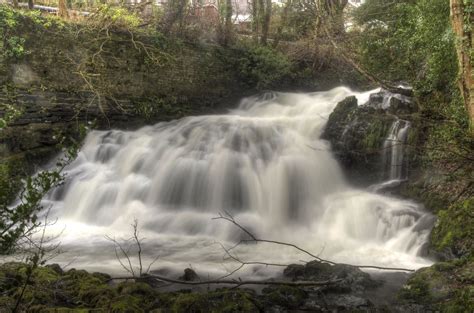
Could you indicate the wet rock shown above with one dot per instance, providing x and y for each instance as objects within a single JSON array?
[
  {"x": 352, "y": 278},
  {"x": 357, "y": 134},
  {"x": 397, "y": 104},
  {"x": 445, "y": 286},
  {"x": 285, "y": 296},
  {"x": 294, "y": 271},
  {"x": 347, "y": 303},
  {"x": 56, "y": 268},
  {"x": 102, "y": 276},
  {"x": 189, "y": 275}
]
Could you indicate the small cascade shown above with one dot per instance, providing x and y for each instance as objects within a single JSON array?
[{"x": 394, "y": 161}]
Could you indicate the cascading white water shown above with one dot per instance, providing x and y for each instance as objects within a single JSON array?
[
  {"x": 264, "y": 163},
  {"x": 394, "y": 148}
]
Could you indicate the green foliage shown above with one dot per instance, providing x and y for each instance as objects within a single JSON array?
[
  {"x": 261, "y": 67},
  {"x": 409, "y": 41},
  {"x": 455, "y": 228},
  {"x": 48, "y": 290},
  {"x": 15, "y": 47},
  {"x": 116, "y": 16},
  {"x": 19, "y": 221},
  {"x": 10, "y": 44},
  {"x": 9, "y": 115}
]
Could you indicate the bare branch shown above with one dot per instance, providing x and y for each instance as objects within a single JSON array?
[
  {"x": 254, "y": 239},
  {"x": 235, "y": 282}
]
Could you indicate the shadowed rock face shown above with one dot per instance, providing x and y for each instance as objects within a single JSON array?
[{"x": 358, "y": 131}]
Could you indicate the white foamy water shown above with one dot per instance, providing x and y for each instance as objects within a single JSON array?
[{"x": 264, "y": 163}]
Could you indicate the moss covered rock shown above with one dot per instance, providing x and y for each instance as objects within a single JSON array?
[
  {"x": 455, "y": 228},
  {"x": 446, "y": 286},
  {"x": 357, "y": 134}
]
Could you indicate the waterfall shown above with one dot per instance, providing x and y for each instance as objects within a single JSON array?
[
  {"x": 263, "y": 162},
  {"x": 394, "y": 160}
]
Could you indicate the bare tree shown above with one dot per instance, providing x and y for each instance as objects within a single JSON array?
[
  {"x": 228, "y": 23},
  {"x": 38, "y": 251},
  {"x": 333, "y": 12},
  {"x": 283, "y": 21},
  {"x": 174, "y": 12},
  {"x": 267, "y": 15},
  {"x": 459, "y": 22},
  {"x": 255, "y": 20},
  {"x": 123, "y": 250}
]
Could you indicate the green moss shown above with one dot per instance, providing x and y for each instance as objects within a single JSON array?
[
  {"x": 87, "y": 289},
  {"x": 238, "y": 301},
  {"x": 66, "y": 310},
  {"x": 455, "y": 228},
  {"x": 44, "y": 275},
  {"x": 285, "y": 296},
  {"x": 426, "y": 286},
  {"x": 6, "y": 302},
  {"x": 375, "y": 134},
  {"x": 447, "y": 286},
  {"x": 191, "y": 302},
  {"x": 218, "y": 301},
  {"x": 127, "y": 304},
  {"x": 10, "y": 182},
  {"x": 343, "y": 111},
  {"x": 142, "y": 291}
]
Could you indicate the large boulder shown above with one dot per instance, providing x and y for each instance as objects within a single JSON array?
[
  {"x": 357, "y": 133},
  {"x": 350, "y": 278}
]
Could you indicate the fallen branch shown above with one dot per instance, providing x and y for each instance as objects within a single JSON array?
[
  {"x": 254, "y": 239},
  {"x": 233, "y": 282}
]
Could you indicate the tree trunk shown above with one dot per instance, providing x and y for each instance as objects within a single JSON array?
[
  {"x": 15, "y": 4},
  {"x": 464, "y": 46},
  {"x": 267, "y": 14},
  {"x": 255, "y": 20},
  {"x": 31, "y": 4},
  {"x": 284, "y": 17},
  {"x": 174, "y": 12},
  {"x": 62, "y": 9},
  {"x": 333, "y": 11},
  {"x": 228, "y": 23}
]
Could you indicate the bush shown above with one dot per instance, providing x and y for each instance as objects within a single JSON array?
[
  {"x": 409, "y": 41},
  {"x": 118, "y": 17},
  {"x": 262, "y": 67}
]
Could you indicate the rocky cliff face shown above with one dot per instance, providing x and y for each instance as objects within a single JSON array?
[{"x": 61, "y": 78}]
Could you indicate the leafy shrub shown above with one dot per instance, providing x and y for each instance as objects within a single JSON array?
[
  {"x": 410, "y": 41},
  {"x": 10, "y": 113},
  {"x": 113, "y": 16},
  {"x": 262, "y": 67},
  {"x": 10, "y": 44}
]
